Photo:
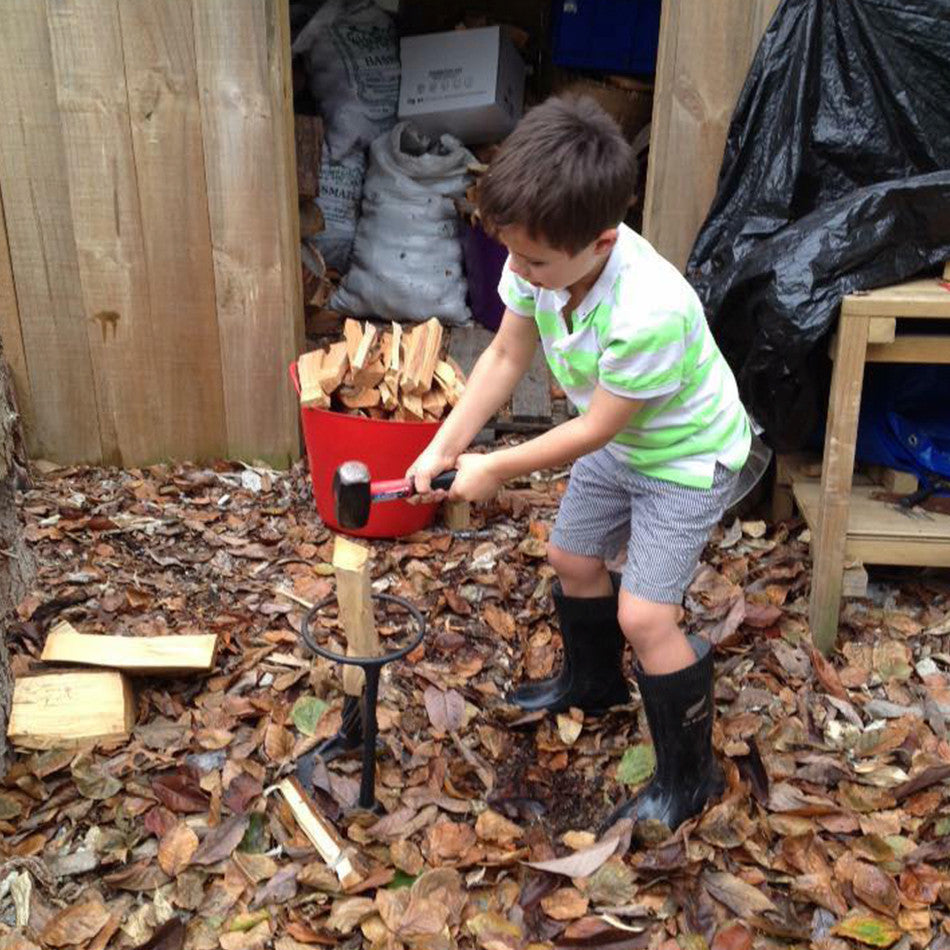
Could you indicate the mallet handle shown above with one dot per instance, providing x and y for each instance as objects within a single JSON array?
[{"x": 393, "y": 488}]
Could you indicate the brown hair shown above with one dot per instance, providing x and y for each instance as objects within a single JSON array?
[{"x": 565, "y": 174}]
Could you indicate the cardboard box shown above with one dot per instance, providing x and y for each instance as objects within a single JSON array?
[{"x": 469, "y": 83}]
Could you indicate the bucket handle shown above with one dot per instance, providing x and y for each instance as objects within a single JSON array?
[{"x": 294, "y": 377}]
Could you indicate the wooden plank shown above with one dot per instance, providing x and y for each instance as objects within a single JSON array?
[
  {"x": 184, "y": 653},
  {"x": 836, "y": 476},
  {"x": 882, "y": 330},
  {"x": 67, "y": 709},
  {"x": 878, "y": 533},
  {"x": 11, "y": 335},
  {"x": 241, "y": 120},
  {"x": 925, "y": 298},
  {"x": 308, "y": 141},
  {"x": 912, "y": 349},
  {"x": 124, "y": 341},
  {"x": 354, "y": 597},
  {"x": 35, "y": 185},
  {"x": 901, "y": 483},
  {"x": 532, "y": 396},
  {"x": 706, "y": 48},
  {"x": 855, "y": 582},
  {"x": 158, "y": 46},
  {"x": 467, "y": 343}
]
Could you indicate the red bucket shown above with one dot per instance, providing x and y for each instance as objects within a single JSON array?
[{"x": 386, "y": 448}]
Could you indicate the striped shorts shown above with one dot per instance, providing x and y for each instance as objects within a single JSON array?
[{"x": 665, "y": 526}]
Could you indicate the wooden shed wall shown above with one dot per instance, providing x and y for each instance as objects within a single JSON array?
[
  {"x": 706, "y": 49},
  {"x": 149, "y": 273}
]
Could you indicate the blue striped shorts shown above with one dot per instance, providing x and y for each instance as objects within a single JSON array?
[{"x": 664, "y": 526}]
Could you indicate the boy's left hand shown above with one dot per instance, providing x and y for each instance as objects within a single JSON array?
[{"x": 476, "y": 479}]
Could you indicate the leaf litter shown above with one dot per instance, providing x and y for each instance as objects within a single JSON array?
[{"x": 834, "y": 830}]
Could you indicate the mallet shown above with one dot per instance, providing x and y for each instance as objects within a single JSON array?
[{"x": 353, "y": 492}]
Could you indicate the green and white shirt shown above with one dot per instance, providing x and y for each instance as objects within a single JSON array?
[{"x": 641, "y": 333}]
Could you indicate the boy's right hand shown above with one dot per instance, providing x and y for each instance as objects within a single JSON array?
[{"x": 433, "y": 461}]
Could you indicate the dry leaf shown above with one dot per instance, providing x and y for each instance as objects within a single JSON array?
[
  {"x": 176, "y": 849},
  {"x": 446, "y": 709},
  {"x": 491, "y": 826},
  {"x": 221, "y": 841},
  {"x": 580, "y": 863},
  {"x": 741, "y": 898},
  {"x": 75, "y": 925},
  {"x": 566, "y": 903}
]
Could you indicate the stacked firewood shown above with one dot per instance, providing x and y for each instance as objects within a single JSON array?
[{"x": 400, "y": 373}]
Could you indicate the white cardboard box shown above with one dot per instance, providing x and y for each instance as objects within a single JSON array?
[{"x": 466, "y": 82}]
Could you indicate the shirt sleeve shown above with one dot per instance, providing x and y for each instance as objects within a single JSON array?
[
  {"x": 516, "y": 294},
  {"x": 646, "y": 361}
]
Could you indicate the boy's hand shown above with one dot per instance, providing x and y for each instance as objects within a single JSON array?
[
  {"x": 477, "y": 479},
  {"x": 433, "y": 461}
]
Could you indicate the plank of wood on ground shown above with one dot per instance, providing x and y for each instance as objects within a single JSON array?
[
  {"x": 184, "y": 653},
  {"x": 68, "y": 709}
]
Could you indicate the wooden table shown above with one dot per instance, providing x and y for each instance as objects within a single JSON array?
[{"x": 847, "y": 522}]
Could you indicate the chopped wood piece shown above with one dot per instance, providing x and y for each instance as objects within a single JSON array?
[
  {"x": 144, "y": 655},
  {"x": 900, "y": 483},
  {"x": 353, "y": 334},
  {"x": 321, "y": 834},
  {"x": 354, "y": 597},
  {"x": 66, "y": 709},
  {"x": 370, "y": 375},
  {"x": 449, "y": 381},
  {"x": 358, "y": 397},
  {"x": 387, "y": 396},
  {"x": 457, "y": 515},
  {"x": 309, "y": 370},
  {"x": 412, "y": 403},
  {"x": 422, "y": 355},
  {"x": 434, "y": 401},
  {"x": 335, "y": 364},
  {"x": 362, "y": 355},
  {"x": 395, "y": 359}
]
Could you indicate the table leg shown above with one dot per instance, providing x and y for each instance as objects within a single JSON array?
[{"x": 837, "y": 473}]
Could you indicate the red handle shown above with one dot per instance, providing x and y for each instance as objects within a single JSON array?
[
  {"x": 294, "y": 378},
  {"x": 391, "y": 485}
]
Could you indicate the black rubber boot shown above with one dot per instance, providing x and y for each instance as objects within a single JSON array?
[
  {"x": 679, "y": 709},
  {"x": 591, "y": 677}
]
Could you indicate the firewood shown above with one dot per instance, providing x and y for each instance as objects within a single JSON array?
[
  {"x": 412, "y": 403},
  {"x": 422, "y": 355},
  {"x": 68, "y": 709},
  {"x": 321, "y": 834},
  {"x": 335, "y": 364},
  {"x": 370, "y": 375},
  {"x": 143, "y": 655},
  {"x": 434, "y": 402},
  {"x": 354, "y": 597},
  {"x": 309, "y": 367},
  {"x": 362, "y": 355},
  {"x": 388, "y": 398},
  {"x": 457, "y": 515},
  {"x": 353, "y": 334},
  {"x": 355, "y": 397},
  {"x": 448, "y": 380}
]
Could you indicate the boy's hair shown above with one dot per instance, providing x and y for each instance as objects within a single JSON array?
[{"x": 565, "y": 174}]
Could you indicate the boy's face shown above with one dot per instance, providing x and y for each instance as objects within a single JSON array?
[{"x": 537, "y": 262}]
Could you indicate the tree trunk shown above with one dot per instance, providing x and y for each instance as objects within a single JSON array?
[{"x": 16, "y": 564}]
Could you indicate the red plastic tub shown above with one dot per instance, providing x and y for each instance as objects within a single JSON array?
[{"x": 387, "y": 449}]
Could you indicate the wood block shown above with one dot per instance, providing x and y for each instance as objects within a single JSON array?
[
  {"x": 354, "y": 597},
  {"x": 412, "y": 403},
  {"x": 450, "y": 381},
  {"x": 335, "y": 364},
  {"x": 142, "y": 655},
  {"x": 321, "y": 834},
  {"x": 370, "y": 375},
  {"x": 434, "y": 402},
  {"x": 309, "y": 371},
  {"x": 387, "y": 397},
  {"x": 457, "y": 515},
  {"x": 855, "y": 581},
  {"x": 353, "y": 335},
  {"x": 900, "y": 483},
  {"x": 359, "y": 398},
  {"x": 308, "y": 134},
  {"x": 66, "y": 709},
  {"x": 422, "y": 355},
  {"x": 882, "y": 330},
  {"x": 363, "y": 351}
]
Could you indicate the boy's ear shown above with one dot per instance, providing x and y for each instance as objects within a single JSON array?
[{"x": 606, "y": 240}]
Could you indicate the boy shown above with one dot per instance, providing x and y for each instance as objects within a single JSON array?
[{"x": 657, "y": 447}]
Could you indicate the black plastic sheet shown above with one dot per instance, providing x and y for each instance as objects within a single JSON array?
[{"x": 836, "y": 178}]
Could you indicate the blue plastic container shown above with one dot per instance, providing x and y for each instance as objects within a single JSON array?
[{"x": 611, "y": 36}]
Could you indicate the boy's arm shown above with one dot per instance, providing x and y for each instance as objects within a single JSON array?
[
  {"x": 489, "y": 386},
  {"x": 480, "y": 476}
]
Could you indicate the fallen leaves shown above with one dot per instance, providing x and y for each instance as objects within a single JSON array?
[{"x": 176, "y": 849}]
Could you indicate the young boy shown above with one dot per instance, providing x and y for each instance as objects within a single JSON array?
[{"x": 657, "y": 446}]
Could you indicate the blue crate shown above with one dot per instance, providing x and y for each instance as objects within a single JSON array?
[{"x": 612, "y": 36}]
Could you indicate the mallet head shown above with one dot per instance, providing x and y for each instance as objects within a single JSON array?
[{"x": 351, "y": 495}]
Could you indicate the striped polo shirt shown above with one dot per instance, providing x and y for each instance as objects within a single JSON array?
[{"x": 641, "y": 333}]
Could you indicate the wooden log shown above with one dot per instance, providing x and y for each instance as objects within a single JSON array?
[
  {"x": 364, "y": 350},
  {"x": 353, "y": 335},
  {"x": 309, "y": 371},
  {"x": 354, "y": 597},
  {"x": 321, "y": 834},
  {"x": 422, "y": 358},
  {"x": 335, "y": 364},
  {"x": 354, "y": 397},
  {"x": 434, "y": 403},
  {"x": 68, "y": 709},
  {"x": 412, "y": 403},
  {"x": 457, "y": 515},
  {"x": 370, "y": 375},
  {"x": 448, "y": 379},
  {"x": 143, "y": 655}
]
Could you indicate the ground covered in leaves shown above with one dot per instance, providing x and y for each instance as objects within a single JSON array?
[{"x": 834, "y": 832}]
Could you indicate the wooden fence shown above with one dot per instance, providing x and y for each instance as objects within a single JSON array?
[{"x": 149, "y": 263}]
